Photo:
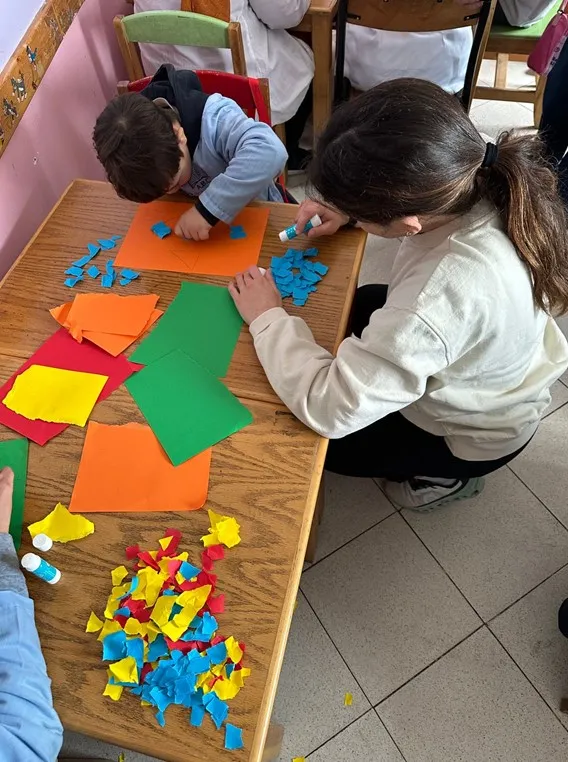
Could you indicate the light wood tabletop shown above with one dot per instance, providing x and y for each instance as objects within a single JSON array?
[{"x": 266, "y": 475}]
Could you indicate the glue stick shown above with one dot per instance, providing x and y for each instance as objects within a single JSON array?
[
  {"x": 289, "y": 233},
  {"x": 42, "y": 542},
  {"x": 41, "y": 568}
]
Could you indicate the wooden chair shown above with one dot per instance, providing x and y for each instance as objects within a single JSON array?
[
  {"x": 507, "y": 43},
  {"x": 414, "y": 16},
  {"x": 176, "y": 28}
]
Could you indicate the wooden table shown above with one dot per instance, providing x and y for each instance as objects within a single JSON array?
[
  {"x": 266, "y": 475},
  {"x": 318, "y": 22}
]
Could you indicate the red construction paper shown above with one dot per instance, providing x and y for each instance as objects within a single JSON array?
[{"x": 62, "y": 351}]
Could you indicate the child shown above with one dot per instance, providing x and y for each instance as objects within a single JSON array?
[
  {"x": 172, "y": 136},
  {"x": 29, "y": 727},
  {"x": 448, "y": 372}
]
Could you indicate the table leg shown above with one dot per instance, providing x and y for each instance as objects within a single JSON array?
[
  {"x": 273, "y": 744},
  {"x": 321, "y": 45},
  {"x": 318, "y": 513}
]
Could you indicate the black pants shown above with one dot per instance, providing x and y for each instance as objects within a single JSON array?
[{"x": 393, "y": 448}]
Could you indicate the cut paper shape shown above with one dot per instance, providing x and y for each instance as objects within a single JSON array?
[
  {"x": 233, "y": 737},
  {"x": 55, "y": 395},
  {"x": 62, "y": 351},
  {"x": 224, "y": 530},
  {"x": 138, "y": 475},
  {"x": 236, "y": 232},
  {"x": 74, "y": 270},
  {"x": 203, "y": 322},
  {"x": 299, "y": 759},
  {"x": 93, "y": 271},
  {"x": 14, "y": 454},
  {"x": 295, "y": 274},
  {"x": 129, "y": 274},
  {"x": 125, "y": 670},
  {"x": 108, "y": 243},
  {"x": 94, "y": 624},
  {"x": 176, "y": 390},
  {"x": 107, "y": 281},
  {"x": 348, "y": 700},
  {"x": 219, "y": 255},
  {"x": 82, "y": 261},
  {"x": 120, "y": 572},
  {"x": 93, "y": 249},
  {"x": 62, "y": 526},
  {"x": 72, "y": 282},
  {"x": 161, "y": 229}
]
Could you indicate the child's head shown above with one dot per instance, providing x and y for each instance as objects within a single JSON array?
[
  {"x": 405, "y": 153},
  {"x": 143, "y": 147}
]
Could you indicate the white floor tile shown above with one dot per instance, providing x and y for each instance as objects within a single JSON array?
[
  {"x": 543, "y": 467},
  {"x": 492, "y": 117},
  {"x": 312, "y": 688},
  {"x": 352, "y": 505},
  {"x": 80, "y": 746},
  {"x": 529, "y": 631},
  {"x": 364, "y": 741},
  {"x": 474, "y": 705},
  {"x": 559, "y": 394},
  {"x": 497, "y": 546},
  {"x": 387, "y": 606}
]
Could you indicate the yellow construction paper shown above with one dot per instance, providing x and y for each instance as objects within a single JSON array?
[
  {"x": 55, "y": 395},
  {"x": 348, "y": 700},
  {"x": 299, "y": 759},
  {"x": 224, "y": 530},
  {"x": 234, "y": 651},
  {"x": 164, "y": 542},
  {"x": 162, "y": 610},
  {"x": 125, "y": 670},
  {"x": 118, "y": 574},
  {"x": 108, "y": 627},
  {"x": 225, "y": 690},
  {"x": 210, "y": 539},
  {"x": 94, "y": 624},
  {"x": 134, "y": 627},
  {"x": 62, "y": 526},
  {"x": 114, "y": 691}
]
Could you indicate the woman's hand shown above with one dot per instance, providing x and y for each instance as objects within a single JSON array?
[
  {"x": 254, "y": 293},
  {"x": 331, "y": 220}
]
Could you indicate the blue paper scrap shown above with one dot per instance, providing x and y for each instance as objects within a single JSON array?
[
  {"x": 161, "y": 229},
  {"x": 70, "y": 282},
  {"x": 93, "y": 271},
  {"x": 217, "y": 653},
  {"x": 74, "y": 270},
  {"x": 188, "y": 571},
  {"x": 129, "y": 274},
  {"x": 296, "y": 276},
  {"x": 114, "y": 646},
  {"x": 106, "y": 281},
  {"x": 83, "y": 261},
  {"x": 108, "y": 243},
  {"x": 197, "y": 715},
  {"x": 237, "y": 231},
  {"x": 93, "y": 249},
  {"x": 233, "y": 737}
]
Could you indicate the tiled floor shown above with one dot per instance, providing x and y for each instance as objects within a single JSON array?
[{"x": 442, "y": 626}]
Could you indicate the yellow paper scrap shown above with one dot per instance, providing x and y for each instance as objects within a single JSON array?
[
  {"x": 299, "y": 759},
  {"x": 94, "y": 624},
  {"x": 56, "y": 395},
  {"x": 164, "y": 542},
  {"x": 62, "y": 526},
  {"x": 162, "y": 610},
  {"x": 134, "y": 627},
  {"x": 114, "y": 691},
  {"x": 225, "y": 689},
  {"x": 120, "y": 757},
  {"x": 125, "y": 670},
  {"x": 108, "y": 627},
  {"x": 118, "y": 574},
  {"x": 224, "y": 530},
  {"x": 210, "y": 539},
  {"x": 348, "y": 699},
  {"x": 234, "y": 651}
]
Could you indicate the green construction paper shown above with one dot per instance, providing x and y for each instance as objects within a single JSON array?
[
  {"x": 187, "y": 408},
  {"x": 14, "y": 453},
  {"x": 203, "y": 322}
]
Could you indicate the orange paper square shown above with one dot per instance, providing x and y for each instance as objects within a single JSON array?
[{"x": 125, "y": 469}]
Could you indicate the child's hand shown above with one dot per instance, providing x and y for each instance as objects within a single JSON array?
[
  {"x": 254, "y": 293},
  {"x": 331, "y": 220},
  {"x": 193, "y": 226},
  {"x": 6, "y": 490}
]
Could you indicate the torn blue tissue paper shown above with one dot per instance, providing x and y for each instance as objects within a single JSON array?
[
  {"x": 114, "y": 646},
  {"x": 93, "y": 271},
  {"x": 296, "y": 276},
  {"x": 106, "y": 281},
  {"x": 74, "y": 270},
  {"x": 161, "y": 229},
  {"x": 233, "y": 737},
  {"x": 237, "y": 231},
  {"x": 197, "y": 715},
  {"x": 129, "y": 274},
  {"x": 188, "y": 571},
  {"x": 217, "y": 653},
  {"x": 93, "y": 249},
  {"x": 229, "y": 669},
  {"x": 70, "y": 282},
  {"x": 158, "y": 648},
  {"x": 218, "y": 709},
  {"x": 320, "y": 268},
  {"x": 135, "y": 648},
  {"x": 83, "y": 261},
  {"x": 115, "y": 238},
  {"x": 107, "y": 243},
  {"x": 122, "y": 612}
]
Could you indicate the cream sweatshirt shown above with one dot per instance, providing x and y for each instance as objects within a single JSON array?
[{"x": 459, "y": 348}]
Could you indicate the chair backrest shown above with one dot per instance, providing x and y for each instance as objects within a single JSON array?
[
  {"x": 219, "y": 9},
  {"x": 176, "y": 28},
  {"x": 409, "y": 15}
]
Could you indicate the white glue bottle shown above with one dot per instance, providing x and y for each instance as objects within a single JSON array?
[
  {"x": 36, "y": 565},
  {"x": 42, "y": 542},
  {"x": 291, "y": 232}
]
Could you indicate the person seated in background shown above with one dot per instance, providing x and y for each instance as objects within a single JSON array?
[
  {"x": 30, "y": 730},
  {"x": 270, "y": 52},
  {"x": 172, "y": 136},
  {"x": 522, "y": 12}
]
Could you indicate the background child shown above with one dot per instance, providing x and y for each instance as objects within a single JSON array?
[
  {"x": 172, "y": 136},
  {"x": 448, "y": 372}
]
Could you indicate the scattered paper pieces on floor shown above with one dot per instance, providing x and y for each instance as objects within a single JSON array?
[
  {"x": 14, "y": 454},
  {"x": 348, "y": 700},
  {"x": 138, "y": 475},
  {"x": 174, "y": 392},
  {"x": 55, "y": 395},
  {"x": 62, "y": 526}
]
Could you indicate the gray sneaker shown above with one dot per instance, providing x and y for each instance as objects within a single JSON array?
[{"x": 424, "y": 493}]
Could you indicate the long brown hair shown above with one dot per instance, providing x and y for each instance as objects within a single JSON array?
[{"x": 407, "y": 148}]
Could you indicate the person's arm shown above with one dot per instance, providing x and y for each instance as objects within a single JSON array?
[
  {"x": 30, "y": 730},
  {"x": 254, "y": 157},
  {"x": 284, "y": 14}
]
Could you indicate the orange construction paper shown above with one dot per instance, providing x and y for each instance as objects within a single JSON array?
[
  {"x": 124, "y": 469},
  {"x": 111, "y": 313},
  {"x": 219, "y": 255}
]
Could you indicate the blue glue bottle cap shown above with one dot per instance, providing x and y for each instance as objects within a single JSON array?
[{"x": 291, "y": 232}]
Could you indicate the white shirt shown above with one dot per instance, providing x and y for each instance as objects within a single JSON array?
[
  {"x": 270, "y": 51},
  {"x": 526, "y": 12},
  {"x": 459, "y": 348},
  {"x": 373, "y": 56}
]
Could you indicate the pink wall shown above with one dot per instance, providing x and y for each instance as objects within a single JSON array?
[{"x": 52, "y": 144}]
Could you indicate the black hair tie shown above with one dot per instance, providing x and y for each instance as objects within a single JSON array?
[{"x": 491, "y": 153}]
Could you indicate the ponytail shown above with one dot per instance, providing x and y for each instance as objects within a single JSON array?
[{"x": 524, "y": 191}]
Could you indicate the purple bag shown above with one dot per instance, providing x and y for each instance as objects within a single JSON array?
[{"x": 549, "y": 47}]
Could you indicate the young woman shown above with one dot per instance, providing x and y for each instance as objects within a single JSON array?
[{"x": 447, "y": 372}]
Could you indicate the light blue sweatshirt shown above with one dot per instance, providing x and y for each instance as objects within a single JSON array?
[
  {"x": 30, "y": 730},
  {"x": 235, "y": 160}
]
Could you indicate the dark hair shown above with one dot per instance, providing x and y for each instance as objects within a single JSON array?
[
  {"x": 407, "y": 148},
  {"x": 135, "y": 141}
]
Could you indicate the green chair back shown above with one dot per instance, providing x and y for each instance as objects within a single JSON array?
[{"x": 177, "y": 28}]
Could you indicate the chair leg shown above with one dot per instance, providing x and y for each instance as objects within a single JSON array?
[
  {"x": 318, "y": 515},
  {"x": 501, "y": 70},
  {"x": 538, "y": 99}
]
